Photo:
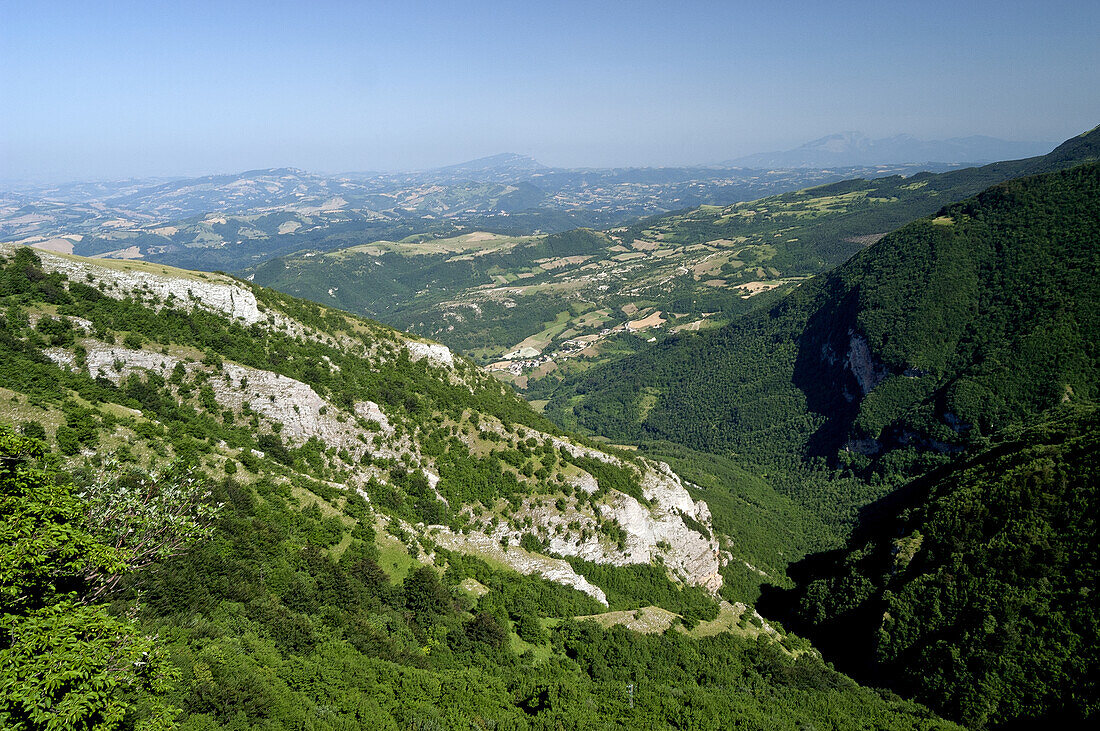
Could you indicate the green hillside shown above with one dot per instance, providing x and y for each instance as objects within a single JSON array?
[
  {"x": 961, "y": 350},
  {"x": 224, "y": 508},
  {"x": 931, "y": 340},
  {"x": 972, "y": 588}
]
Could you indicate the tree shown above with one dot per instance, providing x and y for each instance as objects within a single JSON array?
[
  {"x": 146, "y": 516},
  {"x": 425, "y": 596},
  {"x": 66, "y": 663}
]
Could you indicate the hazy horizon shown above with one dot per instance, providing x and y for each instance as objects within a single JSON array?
[
  {"x": 34, "y": 182},
  {"x": 163, "y": 90}
]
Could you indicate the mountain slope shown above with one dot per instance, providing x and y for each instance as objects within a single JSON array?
[
  {"x": 854, "y": 148},
  {"x": 399, "y": 541},
  {"x": 971, "y": 588},
  {"x": 252, "y": 368},
  {"x": 930, "y": 340}
]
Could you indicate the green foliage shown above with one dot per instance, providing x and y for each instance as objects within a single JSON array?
[
  {"x": 472, "y": 479},
  {"x": 334, "y": 644},
  {"x": 72, "y": 666},
  {"x": 612, "y": 477},
  {"x": 945, "y": 335},
  {"x": 993, "y": 318},
  {"x": 64, "y": 664},
  {"x": 639, "y": 585},
  {"x": 511, "y": 592},
  {"x": 146, "y": 516},
  {"x": 425, "y": 596},
  {"x": 982, "y": 608},
  {"x": 529, "y": 542},
  {"x": 45, "y": 553}
]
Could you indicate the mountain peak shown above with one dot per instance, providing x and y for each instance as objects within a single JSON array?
[
  {"x": 504, "y": 162},
  {"x": 837, "y": 142}
]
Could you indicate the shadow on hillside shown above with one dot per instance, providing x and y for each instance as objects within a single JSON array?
[{"x": 820, "y": 373}]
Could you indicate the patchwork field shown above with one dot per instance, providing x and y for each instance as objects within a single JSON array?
[{"x": 545, "y": 307}]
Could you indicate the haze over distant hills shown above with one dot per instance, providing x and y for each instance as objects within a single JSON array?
[
  {"x": 506, "y": 165},
  {"x": 855, "y": 148},
  {"x": 231, "y": 221}
]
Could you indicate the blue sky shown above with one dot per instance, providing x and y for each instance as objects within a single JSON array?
[{"x": 114, "y": 89}]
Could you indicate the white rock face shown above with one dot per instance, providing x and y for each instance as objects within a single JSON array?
[
  {"x": 299, "y": 409},
  {"x": 551, "y": 569},
  {"x": 275, "y": 397},
  {"x": 436, "y": 354},
  {"x": 103, "y": 359},
  {"x": 584, "y": 481},
  {"x": 216, "y": 294},
  {"x": 60, "y": 356},
  {"x": 687, "y": 554},
  {"x": 373, "y": 412},
  {"x": 862, "y": 364},
  {"x": 690, "y": 556},
  {"x": 295, "y": 404},
  {"x": 578, "y": 451}
]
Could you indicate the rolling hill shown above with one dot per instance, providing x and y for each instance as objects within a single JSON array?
[
  {"x": 545, "y": 308},
  {"x": 232, "y": 221}
]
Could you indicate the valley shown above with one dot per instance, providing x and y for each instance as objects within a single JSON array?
[
  {"x": 775, "y": 372},
  {"x": 540, "y": 310},
  {"x": 549, "y": 366},
  {"x": 372, "y": 500}
]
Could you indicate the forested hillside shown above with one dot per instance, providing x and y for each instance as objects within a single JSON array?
[
  {"x": 226, "y": 508},
  {"x": 931, "y": 340},
  {"x": 971, "y": 588},
  {"x": 962, "y": 351}
]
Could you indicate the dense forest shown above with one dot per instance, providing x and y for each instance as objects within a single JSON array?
[{"x": 971, "y": 588}]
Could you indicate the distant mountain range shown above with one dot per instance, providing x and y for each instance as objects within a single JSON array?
[
  {"x": 854, "y": 148},
  {"x": 231, "y": 221}
]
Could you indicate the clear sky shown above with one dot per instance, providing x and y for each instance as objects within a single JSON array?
[{"x": 116, "y": 89}]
